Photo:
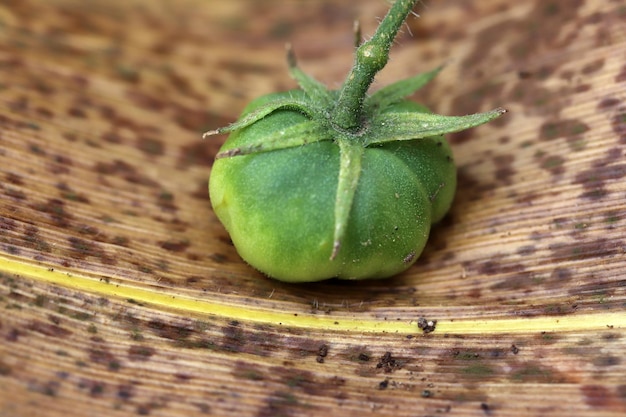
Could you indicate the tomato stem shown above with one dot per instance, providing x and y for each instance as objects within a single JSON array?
[{"x": 370, "y": 58}]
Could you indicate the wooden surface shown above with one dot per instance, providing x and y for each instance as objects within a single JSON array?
[{"x": 122, "y": 295}]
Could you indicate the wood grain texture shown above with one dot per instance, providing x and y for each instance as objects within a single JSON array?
[{"x": 122, "y": 294}]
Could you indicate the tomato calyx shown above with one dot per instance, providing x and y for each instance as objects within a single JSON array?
[{"x": 350, "y": 118}]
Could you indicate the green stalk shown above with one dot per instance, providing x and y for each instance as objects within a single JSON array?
[{"x": 370, "y": 58}]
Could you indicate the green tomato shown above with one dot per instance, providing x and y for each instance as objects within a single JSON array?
[
  {"x": 279, "y": 206},
  {"x": 314, "y": 184}
]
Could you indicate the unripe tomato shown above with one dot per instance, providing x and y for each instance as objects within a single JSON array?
[
  {"x": 278, "y": 207},
  {"x": 313, "y": 184}
]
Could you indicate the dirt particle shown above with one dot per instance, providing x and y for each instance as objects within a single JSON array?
[
  {"x": 322, "y": 353},
  {"x": 427, "y": 326},
  {"x": 388, "y": 363}
]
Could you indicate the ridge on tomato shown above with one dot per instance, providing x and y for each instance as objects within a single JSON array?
[{"x": 314, "y": 184}]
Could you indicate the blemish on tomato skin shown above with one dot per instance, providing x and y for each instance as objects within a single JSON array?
[{"x": 409, "y": 258}]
